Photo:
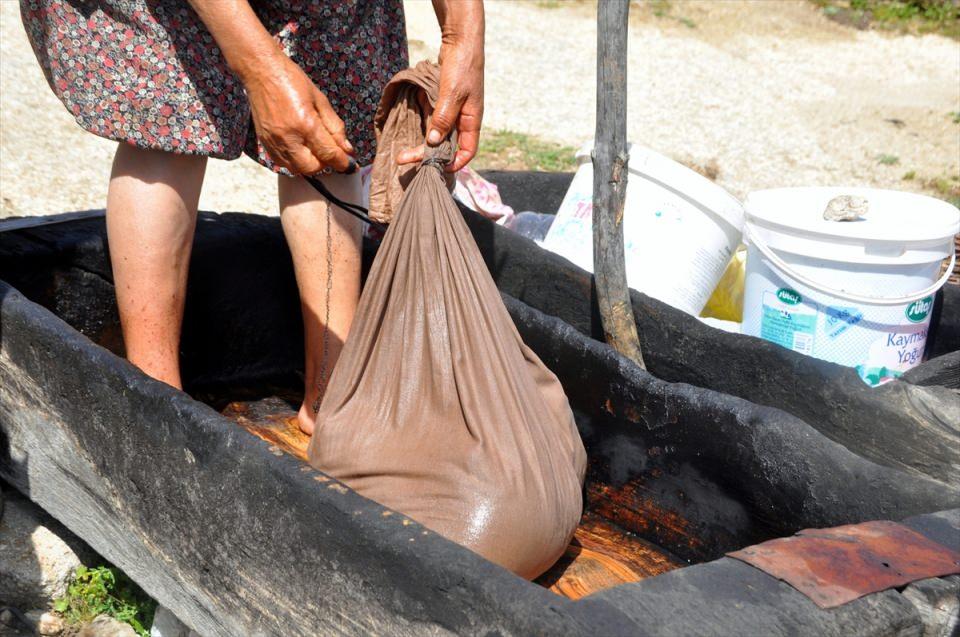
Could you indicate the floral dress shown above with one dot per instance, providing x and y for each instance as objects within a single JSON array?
[{"x": 148, "y": 73}]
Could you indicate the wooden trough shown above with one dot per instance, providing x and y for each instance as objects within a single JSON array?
[{"x": 238, "y": 536}]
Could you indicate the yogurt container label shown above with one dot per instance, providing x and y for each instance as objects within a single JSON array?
[
  {"x": 880, "y": 342},
  {"x": 918, "y": 311},
  {"x": 890, "y": 356},
  {"x": 787, "y": 321}
]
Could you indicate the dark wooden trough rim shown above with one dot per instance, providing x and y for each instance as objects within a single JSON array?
[{"x": 406, "y": 579}]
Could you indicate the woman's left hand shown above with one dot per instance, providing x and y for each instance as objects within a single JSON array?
[{"x": 460, "y": 101}]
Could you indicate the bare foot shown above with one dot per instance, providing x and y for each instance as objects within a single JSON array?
[{"x": 306, "y": 419}]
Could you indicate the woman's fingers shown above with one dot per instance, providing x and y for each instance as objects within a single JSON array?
[
  {"x": 467, "y": 151},
  {"x": 469, "y": 117},
  {"x": 444, "y": 115},
  {"x": 468, "y": 137},
  {"x": 327, "y": 137},
  {"x": 303, "y": 162},
  {"x": 411, "y": 155},
  {"x": 280, "y": 153},
  {"x": 326, "y": 150},
  {"x": 416, "y": 154},
  {"x": 332, "y": 121}
]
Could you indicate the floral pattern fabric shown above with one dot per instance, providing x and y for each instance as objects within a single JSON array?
[{"x": 148, "y": 73}]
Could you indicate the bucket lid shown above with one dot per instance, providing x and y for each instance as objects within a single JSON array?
[
  {"x": 680, "y": 180},
  {"x": 891, "y": 216}
]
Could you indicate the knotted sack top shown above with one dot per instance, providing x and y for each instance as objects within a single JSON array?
[{"x": 399, "y": 124}]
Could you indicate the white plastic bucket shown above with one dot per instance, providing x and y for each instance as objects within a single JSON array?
[
  {"x": 680, "y": 229},
  {"x": 857, "y": 293}
]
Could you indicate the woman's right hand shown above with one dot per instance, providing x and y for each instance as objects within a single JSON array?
[{"x": 294, "y": 120}]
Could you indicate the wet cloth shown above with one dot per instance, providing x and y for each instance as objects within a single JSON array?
[
  {"x": 399, "y": 124},
  {"x": 147, "y": 72},
  {"x": 436, "y": 408}
]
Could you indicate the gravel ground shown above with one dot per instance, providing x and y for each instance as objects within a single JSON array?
[{"x": 773, "y": 93}]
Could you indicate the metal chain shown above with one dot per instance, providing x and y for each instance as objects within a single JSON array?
[{"x": 322, "y": 382}]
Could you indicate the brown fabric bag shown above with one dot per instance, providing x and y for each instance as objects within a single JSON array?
[
  {"x": 399, "y": 124},
  {"x": 437, "y": 409}
]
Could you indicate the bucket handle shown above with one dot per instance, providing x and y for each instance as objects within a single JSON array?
[{"x": 765, "y": 250}]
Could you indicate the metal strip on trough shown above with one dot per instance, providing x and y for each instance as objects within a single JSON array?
[{"x": 836, "y": 566}]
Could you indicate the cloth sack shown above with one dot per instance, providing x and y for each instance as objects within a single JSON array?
[
  {"x": 436, "y": 408},
  {"x": 399, "y": 124}
]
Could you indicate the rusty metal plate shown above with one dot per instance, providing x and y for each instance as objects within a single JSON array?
[{"x": 838, "y": 565}]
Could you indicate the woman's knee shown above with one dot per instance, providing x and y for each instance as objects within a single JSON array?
[
  {"x": 299, "y": 199},
  {"x": 156, "y": 166}
]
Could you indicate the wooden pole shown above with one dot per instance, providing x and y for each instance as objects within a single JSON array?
[{"x": 610, "y": 180}]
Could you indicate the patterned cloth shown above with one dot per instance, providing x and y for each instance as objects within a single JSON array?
[{"x": 148, "y": 73}]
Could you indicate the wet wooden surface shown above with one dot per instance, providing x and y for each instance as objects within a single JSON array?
[
  {"x": 602, "y": 555},
  {"x": 273, "y": 420},
  {"x": 637, "y": 510}
]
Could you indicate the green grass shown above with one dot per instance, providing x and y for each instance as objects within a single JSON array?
[
  {"x": 888, "y": 160},
  {"x": 506, "y": 150},
  {"x": 106, "y": 591},
  {"x": 910, "y": 16},
  {"x": 664, "y": 9},
  {"x": 942, "y": 187},
  {"x": 660, "y": 8},
  {"x": 947, "y": 188}
]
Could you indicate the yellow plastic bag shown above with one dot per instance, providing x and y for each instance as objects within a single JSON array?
[{"x": 726, "y": 302}]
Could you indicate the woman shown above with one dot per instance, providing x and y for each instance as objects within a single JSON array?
[{"x": 176, "y": 83}]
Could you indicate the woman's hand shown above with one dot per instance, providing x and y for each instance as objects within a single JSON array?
[
  {"x": 294, "y": 120},
  {"x": 460, "y": 102}
]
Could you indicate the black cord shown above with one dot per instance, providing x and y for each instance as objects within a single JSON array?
[{"x": 359, "y": 212}]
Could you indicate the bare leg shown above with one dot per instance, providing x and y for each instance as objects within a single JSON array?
[
  {"x": 303, "y": 213},
  {"x": 151, "y": 216}
]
